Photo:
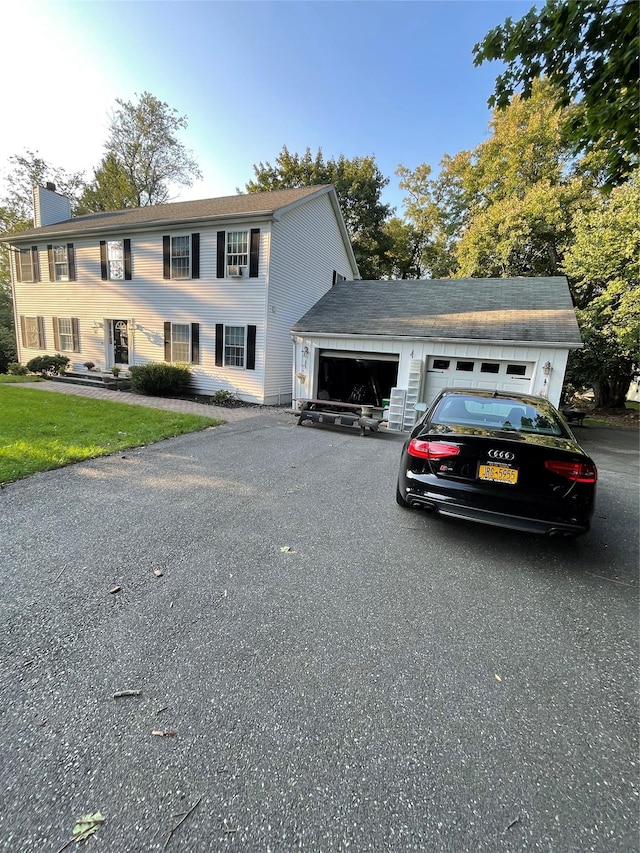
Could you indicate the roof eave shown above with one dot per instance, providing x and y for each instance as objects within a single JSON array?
[{"x": 439, "y": 338}]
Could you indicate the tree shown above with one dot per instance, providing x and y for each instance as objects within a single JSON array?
[
  {"x": 603, "y": 265},
  {"x": 111, "y": 188},
  {"x": 16, "y": 214},
  {"x": 144, "y": 156},
  {"x": 589, "y": 49},
  {"x": 506, "y": 208},
  {"x": 358, "y": 183}
]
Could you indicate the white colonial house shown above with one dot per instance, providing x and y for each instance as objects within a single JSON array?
[{"x": 216, "y": 283}]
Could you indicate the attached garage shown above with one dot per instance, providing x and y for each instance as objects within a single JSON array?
[{"x": 366, "y": 340}]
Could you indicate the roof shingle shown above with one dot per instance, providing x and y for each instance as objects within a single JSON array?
[{"x": 497, "y": 309}]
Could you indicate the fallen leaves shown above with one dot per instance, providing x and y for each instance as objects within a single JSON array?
[
  {"x": 114, "y": 589},
  {"x": 164, "y": 732},
  {"x": 120, "y": 693},
  {"x": 87, "y": 826},
  {"x": 287, "y": 549}
]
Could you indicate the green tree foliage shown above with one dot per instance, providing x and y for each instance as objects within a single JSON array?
[
  {"x": 358, "y": 183},
  {"x": 506, "y": 208},
  {"x": 589, "y": 49},
  {"x": 603, "y": 265},
  {"x": 110, "y": 189},
  {"x": 144, "y": 157}
]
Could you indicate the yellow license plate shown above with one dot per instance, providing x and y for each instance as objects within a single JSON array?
[{"x": 498, "y": 474}]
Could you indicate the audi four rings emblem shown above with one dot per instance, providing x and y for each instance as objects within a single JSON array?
[{"x": 502, "y": 454}]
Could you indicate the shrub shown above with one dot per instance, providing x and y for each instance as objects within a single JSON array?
[
  {"x": 223, "y": 398},
  {"x": 48, "y": 364},
  {"x": 89, "y": 365},
  {"x": 17, "y": 369},
  {"x": 160, "y": 379}
]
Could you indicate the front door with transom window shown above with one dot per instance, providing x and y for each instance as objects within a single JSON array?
[{"x": 119, "y": 342}]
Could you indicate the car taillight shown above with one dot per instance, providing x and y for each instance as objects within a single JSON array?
[
  {"x": 579, "y": 472},
  {"x": 431, "y": 449}
]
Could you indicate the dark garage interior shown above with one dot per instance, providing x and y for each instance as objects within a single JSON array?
[{"x": 355, "y": 378}]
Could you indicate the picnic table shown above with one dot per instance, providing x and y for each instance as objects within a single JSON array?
[
  {"x": 574, "y": 416},
  {"x": 341, "y": 414}
]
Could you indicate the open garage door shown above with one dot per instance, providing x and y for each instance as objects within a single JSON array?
[{"x": 353, "y": 377}]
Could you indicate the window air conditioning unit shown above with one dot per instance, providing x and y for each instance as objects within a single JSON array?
[{"x": 235, "y": 271}]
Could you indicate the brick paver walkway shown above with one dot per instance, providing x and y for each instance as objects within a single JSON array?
[{"x": 185, "y": 406}]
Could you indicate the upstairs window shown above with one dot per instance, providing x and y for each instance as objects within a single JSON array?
[
  {"x": 27, "y": 264},
  {"x": 180, "y": 267},
  {"x": 115, "y": 260},
  {"x": 237, "y": 252},
  {"x": 181, "y": 256},
  {"x": 61, "y": 262}
]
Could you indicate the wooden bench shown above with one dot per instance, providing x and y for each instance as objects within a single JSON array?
[
  {"x": 574, "y": 416},
  {"x": 338, "y": 413}
]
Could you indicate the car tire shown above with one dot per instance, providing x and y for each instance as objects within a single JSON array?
[{"x": 400, "y": 500}]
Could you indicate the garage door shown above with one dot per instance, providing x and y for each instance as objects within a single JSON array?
[{"x": 483, "y": 373}]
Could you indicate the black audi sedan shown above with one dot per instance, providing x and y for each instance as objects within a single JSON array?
[{"x": 498, "y": 458}]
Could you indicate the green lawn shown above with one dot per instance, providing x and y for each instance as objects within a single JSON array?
[{"x": 40, "y": 431}]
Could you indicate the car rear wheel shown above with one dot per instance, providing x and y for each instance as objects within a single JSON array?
[{"x": 400, "y": 500}]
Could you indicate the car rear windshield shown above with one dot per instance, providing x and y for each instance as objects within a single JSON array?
[{"x": 498, "y": 413}]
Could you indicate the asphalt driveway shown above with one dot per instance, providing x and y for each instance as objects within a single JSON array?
[{"x": 340, "y": 674}]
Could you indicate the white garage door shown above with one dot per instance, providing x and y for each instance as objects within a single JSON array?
[{"x": 484, "y": 373}]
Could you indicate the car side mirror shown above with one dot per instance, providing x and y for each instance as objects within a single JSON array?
[{"x": 420, "y": 407}]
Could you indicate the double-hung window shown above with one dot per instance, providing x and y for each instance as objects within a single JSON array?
[
  {"x": 65, "y": 334},
  {"x": 182, "y": 342},
  {"x": 32, "y": 329},
  {"x": 236, "y": 346},
  {"x": 237, "y": 252},
  {"x": 61, "y": 262},
  {"x": 27, "y": 264},
  {"x": 180, "y": 266},
  {"x": 181, "y": 256}
]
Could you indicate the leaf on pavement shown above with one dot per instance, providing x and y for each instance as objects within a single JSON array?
[{"x": 87, "y": 825}]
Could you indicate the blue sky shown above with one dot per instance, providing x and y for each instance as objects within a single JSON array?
[{"x": 392, "y": 79}]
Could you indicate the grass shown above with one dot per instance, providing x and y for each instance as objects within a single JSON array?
[
  {"x": 8, "y": 378},
  {"x": 41, "y": 431}
]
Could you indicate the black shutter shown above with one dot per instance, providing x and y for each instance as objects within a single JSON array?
[
  {"x": 195, "y": 343},
  {"x": 71, "y": 261},
  {"x": 195, "y": 256},
  {"x": 23, "y": 330},
  {"x": 56, "y": 335},
  {"x": 52, "y": 272},
  {"x": 17, "y": 264},
  {"x": 251, "y": 347},
  {"x": 222, "y": 248},
  {"x": 219, "y": 344},
  {"x": 333, "y": 278},
  {"x": 254, "y": 251},
  {"x": 75, "y": 334},
  {"x": 167, "y": 341},
  {"x": 166, "y": 257},
  {"x": 127, "y": 259},
  {"x": 103, "y": 260},
  {"x": 35, "y": 264}
]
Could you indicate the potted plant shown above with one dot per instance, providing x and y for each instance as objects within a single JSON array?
[
  {"x": 89, "y": 365},
  {"x": 116, "y": 370}
]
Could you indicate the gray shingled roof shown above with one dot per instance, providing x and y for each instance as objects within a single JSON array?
[
  {"x": 249, "y": 204},
  {"x": 497, "y": 309}
]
